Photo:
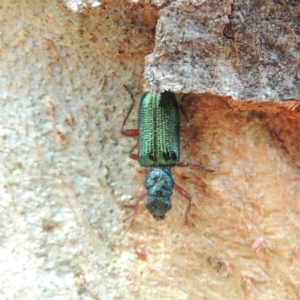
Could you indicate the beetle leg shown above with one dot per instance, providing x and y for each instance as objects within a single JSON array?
[
  {"x": 186, "y": 164},
  {"x": 135, "y": 206},
  {"x": 187, "y": 196},
  {"x": 184, "y": 128},
  {"x": 133, "y": 155},
  {"x": 128, "y": 132}
]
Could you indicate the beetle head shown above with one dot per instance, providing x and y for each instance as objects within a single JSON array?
[{"x": 158, "y": 206}]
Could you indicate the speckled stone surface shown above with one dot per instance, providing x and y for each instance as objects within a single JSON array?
[{"x": 249, "y": 50}]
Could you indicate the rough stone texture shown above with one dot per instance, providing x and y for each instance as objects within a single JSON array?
[
  {"x": 249, "y": 50},
  {"x": 78, "y": 5},
  {"x": 65, "y": 173},
  {"x": 62, "y": 101}
]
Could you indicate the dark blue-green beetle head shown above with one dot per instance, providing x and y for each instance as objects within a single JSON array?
[{"x": 158, "y": 206}]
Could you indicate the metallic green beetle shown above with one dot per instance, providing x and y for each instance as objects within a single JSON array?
[
  {"x": 158, "y": 130},
  {"x": 159, "y": 149}
]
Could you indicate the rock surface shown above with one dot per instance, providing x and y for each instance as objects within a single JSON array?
[{"x": 249, "y": 50}]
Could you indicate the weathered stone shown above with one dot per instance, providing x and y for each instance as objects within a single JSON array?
[{"x": 249, "y": 50}]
